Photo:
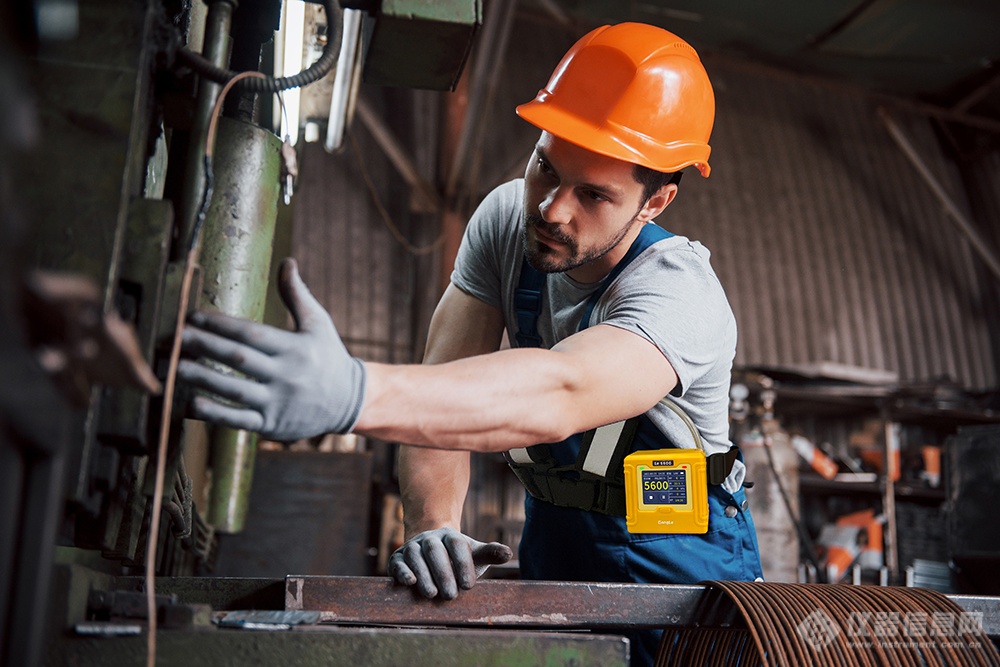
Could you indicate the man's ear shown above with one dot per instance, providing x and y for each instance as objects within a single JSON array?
[{"x": 660, "y": 200}]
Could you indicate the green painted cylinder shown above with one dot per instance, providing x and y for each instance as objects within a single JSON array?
[
  {"x": 233, "y": 455},
  {"x": 236, "y": 249}
]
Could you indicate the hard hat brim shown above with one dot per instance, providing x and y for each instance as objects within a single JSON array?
[{"x": 613, "y": 140}]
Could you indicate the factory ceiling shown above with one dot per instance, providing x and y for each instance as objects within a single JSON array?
[{"x": 945, "y": 54}]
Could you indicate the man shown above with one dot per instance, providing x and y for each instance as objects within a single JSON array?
[{"x": 606, "y": 312}]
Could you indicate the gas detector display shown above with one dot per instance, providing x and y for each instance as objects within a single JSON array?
[
  {"x": 664, "y": 487},
  {"x": 666, "y": 491}
]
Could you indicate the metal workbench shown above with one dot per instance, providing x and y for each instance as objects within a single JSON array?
[{"x": 371, "y": 621}]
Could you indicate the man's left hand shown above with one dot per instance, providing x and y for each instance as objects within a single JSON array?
[
  {"x": 440, "y": 561},
  {"x": 298, "y": 383}
]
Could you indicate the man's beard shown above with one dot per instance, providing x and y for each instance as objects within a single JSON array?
[{"x": 545, "y": 259}]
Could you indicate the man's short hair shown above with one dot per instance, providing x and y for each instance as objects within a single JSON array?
[{"x": 652, "y": 180}]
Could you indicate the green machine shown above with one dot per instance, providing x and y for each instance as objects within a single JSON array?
[{"x": 116, "y": 158}]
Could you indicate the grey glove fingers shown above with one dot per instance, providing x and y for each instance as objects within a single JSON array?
[
  {"x": 399, "y": 570},
  {"x": 460, "y": 552},
  {"x": 438, "y": 559},
  {"x": 230, "y": 387},
  {"x": 263, "y": 337},
  {"x": 303, "y": 306},
  {"x": 414, "y": 557},
  {"x": 237, "y": 355},
  {"x": 212, "y": 411},
  {"x": 490, "y": 553}
]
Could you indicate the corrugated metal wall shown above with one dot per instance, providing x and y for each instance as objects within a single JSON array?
[
  {"x": 379, "y": 294},
  {"x": 830, "y": 246}
]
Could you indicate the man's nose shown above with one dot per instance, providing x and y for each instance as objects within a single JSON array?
[{"x": 555, "y": 207}]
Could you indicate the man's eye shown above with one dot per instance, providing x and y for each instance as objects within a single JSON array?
[
  {"x": 544, "y": 167},
  {"x": 596, "y": 196}
]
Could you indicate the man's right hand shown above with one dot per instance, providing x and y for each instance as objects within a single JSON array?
[
  {"x": 440, "y": 561},
  {"x": 297, "y": 384}
]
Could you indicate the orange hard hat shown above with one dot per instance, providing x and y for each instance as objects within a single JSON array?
[{"x": 633, "y": 92}]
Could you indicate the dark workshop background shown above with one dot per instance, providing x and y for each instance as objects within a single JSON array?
[{"x": 853, "y": 215}]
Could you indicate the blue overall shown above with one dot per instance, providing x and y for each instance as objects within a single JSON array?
[{"x": 570, "y": 544}]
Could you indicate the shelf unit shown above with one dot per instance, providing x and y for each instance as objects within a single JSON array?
[{"x": 913, "y": 510}]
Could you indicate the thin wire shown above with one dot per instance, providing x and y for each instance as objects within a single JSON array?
[
  {"x": 284, "y": 116},
  {"x": 386, "y": 218},
  {"x": 161, "y": 458},
  {"x": 695, "y": 433},
  {"x": 175, "y": 353},
  {"x": 210, "y": 136}
]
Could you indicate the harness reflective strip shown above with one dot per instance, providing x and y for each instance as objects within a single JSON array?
[
  {"x": 602, "y": 448},
  {"x": 520, "y": 455}
]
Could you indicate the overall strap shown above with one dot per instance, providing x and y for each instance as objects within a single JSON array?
[
  {"x": 528, "y": 305},
  {"x": 649, "y": 234},
  {"x": 531, "y": 284}
]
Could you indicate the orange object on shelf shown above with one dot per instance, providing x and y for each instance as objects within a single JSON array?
[
  {"x": 872, "y": 553},
  {"x": 815, "y": 457},
  {"x": 855, "y": 537},
  {"x": 932, "y": 464},
  {"x": 842, "y": 545},
  {"x": 893, "y": 467}
]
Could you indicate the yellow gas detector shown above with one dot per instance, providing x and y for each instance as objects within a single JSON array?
[{"x": 666, "y": 490}]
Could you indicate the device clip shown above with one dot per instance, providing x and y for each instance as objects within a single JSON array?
[{"x": 720, "y": 465}]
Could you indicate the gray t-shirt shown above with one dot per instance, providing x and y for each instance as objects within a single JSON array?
[{"x": 669, "y": 295}]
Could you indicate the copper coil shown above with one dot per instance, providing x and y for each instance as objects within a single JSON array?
[
  {"x": 839, "y": 625},
  {"x": 720, "y": 646}
]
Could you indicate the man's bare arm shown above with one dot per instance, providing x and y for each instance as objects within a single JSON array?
[
  {"x": 295, "y": 384},
  {"x": 520, "y": 397},
  {"x": 437, "y": 559},
  {"x": 434, "y": 482}
]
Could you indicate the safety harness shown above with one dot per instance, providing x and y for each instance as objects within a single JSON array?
[{"x": 594, "y": 481}]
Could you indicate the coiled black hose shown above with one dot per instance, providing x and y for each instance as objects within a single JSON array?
[{"x": 269, "y": 84}]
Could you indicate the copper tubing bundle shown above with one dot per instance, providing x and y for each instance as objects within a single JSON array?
[
  {"x": 718, "y": 646},
  {"x": 841, "y": 625}
]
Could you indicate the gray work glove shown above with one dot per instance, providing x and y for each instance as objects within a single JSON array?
[
  {"x": 299, "y": 383},
  {"x": 442, "y": 560}
]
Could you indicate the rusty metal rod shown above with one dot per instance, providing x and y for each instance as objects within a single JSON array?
[
  {"x": 977, "y": 95},
  {"x": 485, "y": 67},
  {"x": 515, "y": 603},
  {"x": 379, "y": 601}
]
